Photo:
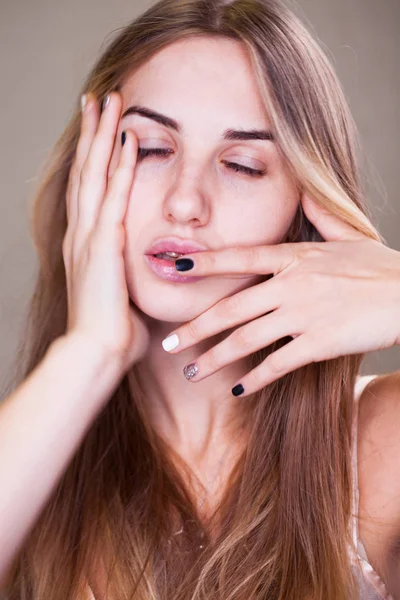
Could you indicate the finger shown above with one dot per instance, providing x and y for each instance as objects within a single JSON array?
[
  {"x": 245, "y": 340},
  {"x": 331, "y": 227},
  {"x": 248, "y": 260},
  {"x": 115, "y": 203},
  {"x": 94, "y": 174},
  {"x": 89, "y": 121},
  {"x": 227, "y": 313},
  {"x": 295, "y": 354}
]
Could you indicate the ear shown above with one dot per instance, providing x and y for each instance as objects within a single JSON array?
[{"x": 328, "y": 225}]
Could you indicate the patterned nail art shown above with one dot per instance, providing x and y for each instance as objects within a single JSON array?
[{"x": 190, "y": 370}]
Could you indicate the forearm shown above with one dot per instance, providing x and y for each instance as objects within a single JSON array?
[{"x": 41, "y": 426}]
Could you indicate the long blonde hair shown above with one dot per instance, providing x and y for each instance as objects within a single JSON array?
[{"x": 284, "y": 520}]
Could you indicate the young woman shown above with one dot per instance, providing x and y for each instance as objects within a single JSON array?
[{"x": 208, "y": 190}]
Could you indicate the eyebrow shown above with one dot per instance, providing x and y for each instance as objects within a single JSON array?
[{"x": 229, "y": 134}]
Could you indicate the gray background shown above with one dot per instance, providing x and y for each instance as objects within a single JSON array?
[{"x": 48, "y": 47}]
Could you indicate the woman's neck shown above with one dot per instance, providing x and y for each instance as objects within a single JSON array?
[{"x": 196, "y": 418}]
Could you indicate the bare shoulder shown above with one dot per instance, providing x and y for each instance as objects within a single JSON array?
[{"x": 379, "y": 475}]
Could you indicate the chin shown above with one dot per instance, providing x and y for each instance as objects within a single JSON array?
[
  {"x": 180, "y": 302},
  {"x": 168, "y": 308}
]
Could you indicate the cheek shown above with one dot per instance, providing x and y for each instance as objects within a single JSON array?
[
  {"x": 139, "y": 210},
  {"x": 263, "y": 218}
]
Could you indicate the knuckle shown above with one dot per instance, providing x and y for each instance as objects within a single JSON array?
[
  {"x": 300, "y": 252},
  {"x": 192, "y": 330},
  {"x": 229, "y": 307},
  {"x": 207, "y": 261},
  {"x": 65, "y": 246},
  {"x": 307, "y": 250},
  {"x": 302, "y": 248},
  {"x": 91, "y": 172},
  {"x": 213, "y": 360},
  {"x": 94, "y": 241},
  {"x": 319, "y": 347},
  {"x": 119, "y": 237},
  {"x": 252, "y": 257},
  {"x": 86, "y": 173},
  {"x": 275, "y": 363},
  {"x": 69, "y": 188},
  {"x": 109, "y": 235},
  {"x": 73, "y": 178},
  {"x": 241, "y": 339},
  {"x": 106, "y": 228},
  {"x": 75, "y": 165},
  {"x": 75, "y": 251},
  {"x": 73, "y": 172},
  {"x": 122, "y": 172}
]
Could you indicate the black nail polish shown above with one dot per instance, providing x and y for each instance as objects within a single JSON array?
[
  {"x": 238, "y": 389},
  {"x": 123, "y": 138},
  {"x": 184, "y": 264}
]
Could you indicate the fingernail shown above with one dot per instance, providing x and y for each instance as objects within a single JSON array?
[
  {"x": 184, "y": 264},
  {"x": 170, "y": 342},
  {"x": 123, "y": 138},
  {"x": 190, "y": 370},
  {"x": 106, "y": 102},
  {"x": 83, "y": 101},
  {"x": 238, "y": 389}
]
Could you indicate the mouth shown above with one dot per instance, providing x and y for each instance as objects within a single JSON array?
[
  {"x": 171, "y": 256},
  {"x": 163, "y": 253},
  {"x": 172, "y": 248},
  {"x": 163, "y": 265}
]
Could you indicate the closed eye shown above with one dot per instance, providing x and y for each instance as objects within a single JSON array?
[
  {"x": 144, "y": 152},
  {"x": 243, "y": 169}
]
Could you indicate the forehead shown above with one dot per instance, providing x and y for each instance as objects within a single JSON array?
[{"x": 203, "y": 74}]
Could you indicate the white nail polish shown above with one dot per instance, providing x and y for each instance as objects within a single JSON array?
[
  {"x": 83, "y": 101},
  {"x": 170, "y": 342}
]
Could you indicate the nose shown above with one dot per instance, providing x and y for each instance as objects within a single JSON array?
[{"x": 186, "y": 204}]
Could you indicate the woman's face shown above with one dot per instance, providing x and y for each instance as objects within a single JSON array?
[{"x": 207, "y": 86}]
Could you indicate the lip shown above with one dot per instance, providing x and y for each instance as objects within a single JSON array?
[
  {"x": 165, "y": 269},
  {"x": 174, "y": 244}
]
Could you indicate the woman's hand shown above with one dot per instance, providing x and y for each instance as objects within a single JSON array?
[
  {"x": 337, "y": 297},
  {"x": 99, "y": 307}
]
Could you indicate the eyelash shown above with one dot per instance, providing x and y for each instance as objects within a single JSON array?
[{"x": 143, "y": 152}]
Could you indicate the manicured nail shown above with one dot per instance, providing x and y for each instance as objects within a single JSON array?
[
  {"x": 83, "y": 101},
  {"x": 190, "y": 370},
  {"x": 184, "y": 264},
  {"x": 238, "y": 389},
  {"x": 170, "y": 342},
  {"x": 106, "y": 102},
  {"x": 123, "y": 138}
]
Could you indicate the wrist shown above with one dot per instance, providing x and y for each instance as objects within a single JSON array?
[{"x": 89, "y": 353}]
